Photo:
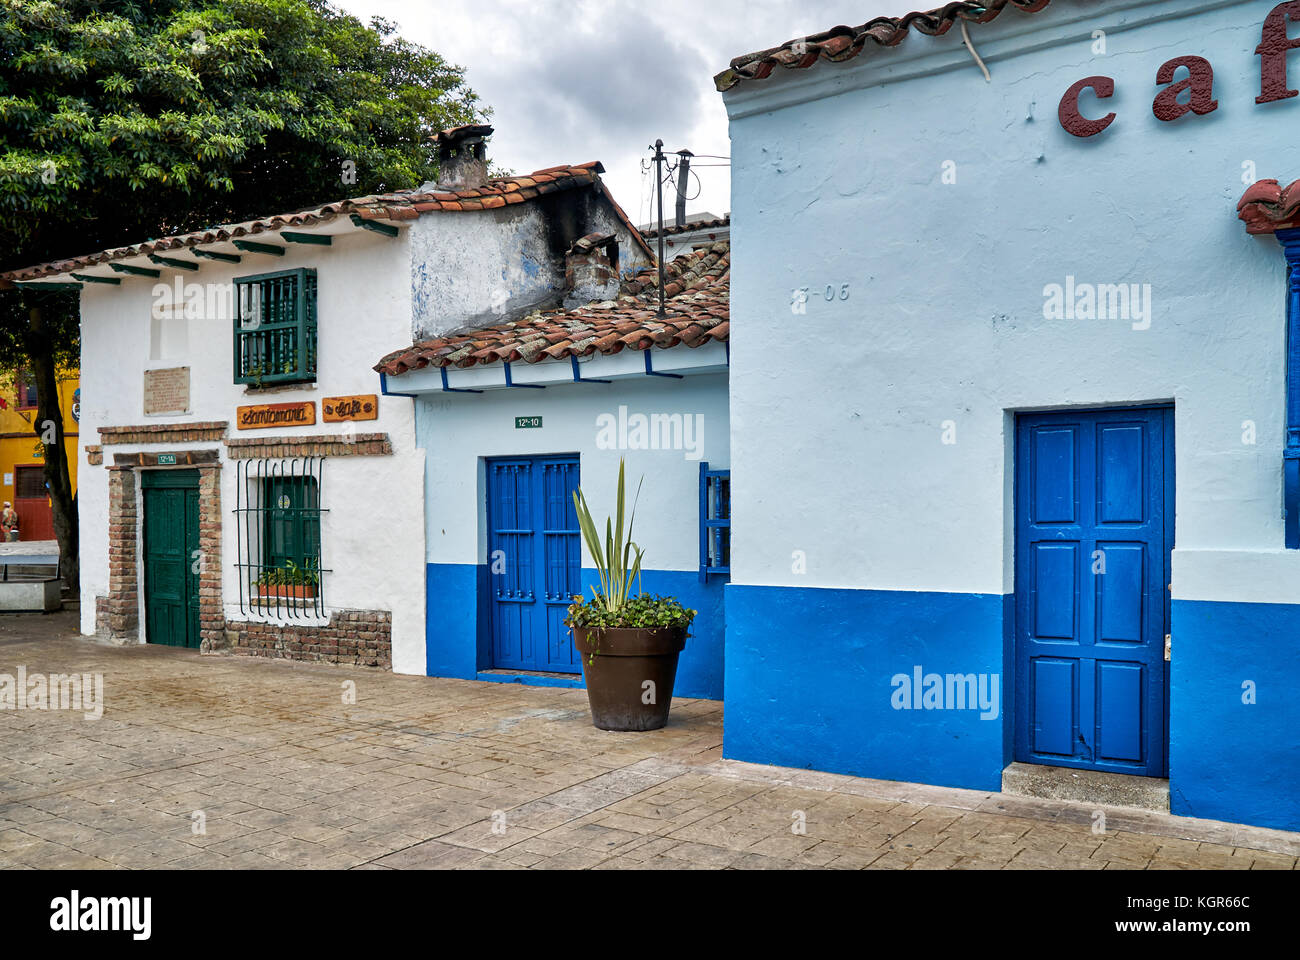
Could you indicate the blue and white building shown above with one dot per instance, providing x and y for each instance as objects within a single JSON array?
[{"x": 1015, "y": 425}]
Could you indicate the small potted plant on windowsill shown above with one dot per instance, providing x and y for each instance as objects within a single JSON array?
[
  {"x": 629, "y": 643},
  {"x": 290, "y": 582}
]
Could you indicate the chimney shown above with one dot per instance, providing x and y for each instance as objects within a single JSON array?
[
  {"x": 591, "y": 270},
  {"x": 462, "y": 157}
]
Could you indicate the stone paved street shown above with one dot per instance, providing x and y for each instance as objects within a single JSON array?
[{"x": 423, "y": 773}]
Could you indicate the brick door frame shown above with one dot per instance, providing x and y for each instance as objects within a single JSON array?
[{"x": 124, "y": 604}]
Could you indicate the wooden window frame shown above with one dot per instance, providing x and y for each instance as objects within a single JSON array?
[{"x": 268, "y": 339}]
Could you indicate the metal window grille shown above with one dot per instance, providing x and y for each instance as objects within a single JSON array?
[
  {"x": 275, "y": 328},
  {"x": 278, "y": 537},
  {"x": 715, "y": 523}
]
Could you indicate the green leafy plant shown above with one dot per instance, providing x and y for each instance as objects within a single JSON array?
[
  {"x": 612, "y": 562},
  {"x": 645, "y": 611},
  {"x": 291, "y": 575},
  {"x": 618, "y": 564}
]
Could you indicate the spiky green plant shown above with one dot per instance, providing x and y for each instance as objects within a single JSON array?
[{"x": 618, "y": 562}]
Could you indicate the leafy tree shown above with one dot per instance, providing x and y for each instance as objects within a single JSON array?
[{"x": 122, "y": 120}]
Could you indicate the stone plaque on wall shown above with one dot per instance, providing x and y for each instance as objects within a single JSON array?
[{"x": 166, "y": 391}]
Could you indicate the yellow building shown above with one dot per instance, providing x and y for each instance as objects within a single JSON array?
[{"x": 22, "y": 455}]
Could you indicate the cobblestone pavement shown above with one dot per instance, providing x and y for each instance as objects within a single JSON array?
[{"x": 280, "y": 772}]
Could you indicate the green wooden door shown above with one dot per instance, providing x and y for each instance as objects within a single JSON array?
[{"x": 171, "y": 557}]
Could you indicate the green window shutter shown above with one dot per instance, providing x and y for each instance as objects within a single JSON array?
[{"x": 275, "y": 328}]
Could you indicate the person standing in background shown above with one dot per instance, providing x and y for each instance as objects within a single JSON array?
[{"x": 9, "y": 522}]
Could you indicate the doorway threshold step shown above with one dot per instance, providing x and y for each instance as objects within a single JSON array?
[
  {"x": 533, "y": 678},
  {"x": 1086, "y": 786}
]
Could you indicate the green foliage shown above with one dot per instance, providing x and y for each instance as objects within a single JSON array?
[
  {"x": 612, "y": 563},
  {"x": 291, "y": 575},
  {"x": 127, "y": 119},
  {"x": 643, "y": 611}
]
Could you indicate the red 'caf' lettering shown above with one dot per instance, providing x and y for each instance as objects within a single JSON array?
[
  {"x": 1273, "y": 48},
  {"x": 1075, "y": 122},
  {"x": 1199, "y": 80}
]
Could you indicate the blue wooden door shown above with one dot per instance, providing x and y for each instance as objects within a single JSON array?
[
  {"x": 1094, "y": 528},
  {"x": 534, "y": 561}
]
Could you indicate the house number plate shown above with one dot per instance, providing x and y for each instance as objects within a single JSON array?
[{"x": 527, "y": 423}]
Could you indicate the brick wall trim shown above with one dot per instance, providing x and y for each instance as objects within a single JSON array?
[
  {"x": 165, "y": 432},
  {"x": 119, "y": 617},
  {"x": 362, "y": 638},
  {"x": 332, "y": 445}
]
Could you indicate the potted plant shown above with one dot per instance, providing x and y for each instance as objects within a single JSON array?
[
  {"x": 290, "y": 582},
  {"x": 629, "y": 643}
]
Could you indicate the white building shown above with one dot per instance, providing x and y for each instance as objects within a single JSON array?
[
  {"x": 252, "y": 487},
  {"x": 1016, "y": 426}
]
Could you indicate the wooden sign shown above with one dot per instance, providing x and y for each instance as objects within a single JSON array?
[
  {"x": 339, "y": 409},
  {"x": 265, "y": 415},
  {"x": 166, "y": 391}
]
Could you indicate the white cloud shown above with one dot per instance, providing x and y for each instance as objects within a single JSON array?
[{"x": 603, "y": 79}]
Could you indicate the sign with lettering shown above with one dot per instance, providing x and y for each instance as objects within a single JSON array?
[
  {"x": 339, "y": 409},
  {"x": 166, "y": 391},
  {"x": 527, "y": 423},
  {"x": 1197, "y": 83},
  {"x": 265, "y": 415},
  {"x": 166, "y": 459}
]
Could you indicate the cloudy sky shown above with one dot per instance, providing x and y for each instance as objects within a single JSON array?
[{"x": 578, "y": 80}]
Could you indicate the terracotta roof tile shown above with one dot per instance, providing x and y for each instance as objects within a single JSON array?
[
  {"x": 689, "y": 227},
  {"x": 1267, "y": 207},
  {"x": 399, "y": 206},
  {"x": 844, "y": 43},
  {"x": 698, "y": 313}
]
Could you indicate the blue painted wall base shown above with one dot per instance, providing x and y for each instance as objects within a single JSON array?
[
  {"x": 810, "y": 681},
  {"x": 457, "y": 643},
  {"x": 1229, "y": 759}
]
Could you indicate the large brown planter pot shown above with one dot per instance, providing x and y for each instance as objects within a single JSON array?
[{"x": 617, "y": 662}]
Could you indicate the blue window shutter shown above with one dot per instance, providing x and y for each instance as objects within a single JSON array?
[
  {"x": 704, "y": 515},
  {"x": 715, "y": 523}
]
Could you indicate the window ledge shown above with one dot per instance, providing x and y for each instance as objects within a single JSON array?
[{"x": 251, "y": 391}]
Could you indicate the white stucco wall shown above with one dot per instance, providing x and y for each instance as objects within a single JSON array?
[
  {"x": 460, "y": 430},
  {"x": 838, "y": 415},
  {"x": 368, "y": 538},
  {"x": 470, "y": 269}
]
